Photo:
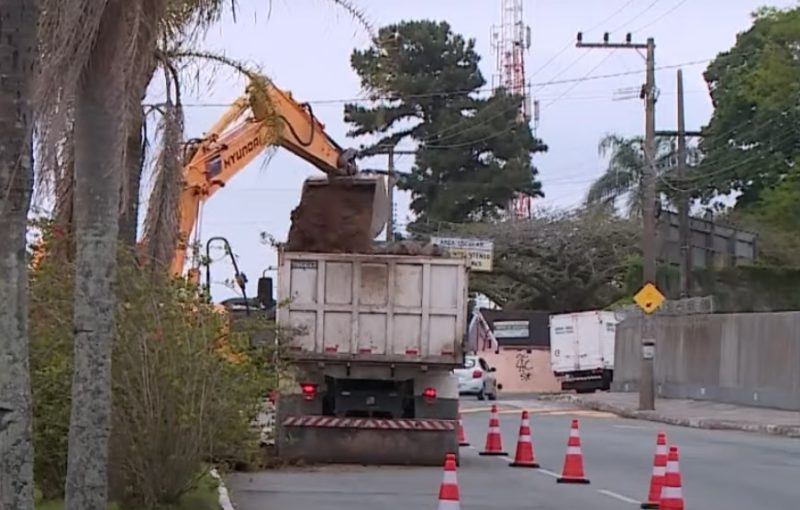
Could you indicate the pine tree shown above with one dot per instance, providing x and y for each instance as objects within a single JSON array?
[{"x": 473, "y": 151}]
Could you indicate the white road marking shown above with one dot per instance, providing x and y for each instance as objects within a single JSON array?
[
  {"x": 605, "y": 492},
  {"x": 620, "y": 497}
]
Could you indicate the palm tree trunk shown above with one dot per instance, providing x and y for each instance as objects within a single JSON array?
[
  {"x": 100, "y": 138},
  {"x": 18, "y": 20},
  {"x": 134, "y": 165}
]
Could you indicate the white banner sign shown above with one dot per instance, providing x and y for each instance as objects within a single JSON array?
[{"x": 479, "y": 252}]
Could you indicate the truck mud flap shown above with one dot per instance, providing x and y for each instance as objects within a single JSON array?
[{"x": 367, "y": 441}]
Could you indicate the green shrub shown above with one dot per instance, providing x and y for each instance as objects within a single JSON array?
[{"x": 176, "y": 402}]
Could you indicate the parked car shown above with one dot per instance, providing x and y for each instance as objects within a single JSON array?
[{"x": 476, "y": 377}]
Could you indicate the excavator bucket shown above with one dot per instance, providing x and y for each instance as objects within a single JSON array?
[{"x": 339, "y": 214}]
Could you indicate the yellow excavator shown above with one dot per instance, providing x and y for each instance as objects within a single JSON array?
[
  {"x": 264, "y": 117},
  {"x": 267, "y": 116}
]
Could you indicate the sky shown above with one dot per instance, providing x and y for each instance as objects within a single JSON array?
[{"x": 304, "y": 46}]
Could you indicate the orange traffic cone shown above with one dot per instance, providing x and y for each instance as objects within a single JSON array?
[
  {"x": 573, "y": 462},
  {"x": 672, "y": 492},
  {"x": 524, "y": 456},
  {"x": 494, "y": 443},
  {"x": 462, "y": 437},
  {"x": 448, "y": 491},
  {"x": 659, "y": 468}
]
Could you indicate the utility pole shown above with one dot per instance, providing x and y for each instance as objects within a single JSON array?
[
  {"x": 390, "y": 193},
  {"x": 684, "y": 233},
  {"x": 647, "y": 395},
  {"x": 646, "y": 380},
  {"x": 683, "y": 202}
]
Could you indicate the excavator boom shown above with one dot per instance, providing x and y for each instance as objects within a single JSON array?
[{"x": 268, "y": 116}]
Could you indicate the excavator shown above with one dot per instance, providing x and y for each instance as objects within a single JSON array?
[
  {"x": 267, "y": 116},
  {"x": 263, "y": 117}
]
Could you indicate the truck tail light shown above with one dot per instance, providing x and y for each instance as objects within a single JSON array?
[
  {"x": 429, "y": 394},
  {"x": 309, "y": 391},
  {"x": 477, "y": 374}
]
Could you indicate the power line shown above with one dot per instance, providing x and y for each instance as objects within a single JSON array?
[
  {"x": 637, "y": 16},
  {"x": 659, "y": 18},
  {"x": 461, "y": 92}
]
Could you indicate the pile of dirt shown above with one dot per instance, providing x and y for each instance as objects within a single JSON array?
[{"x": 333, "y": 218}]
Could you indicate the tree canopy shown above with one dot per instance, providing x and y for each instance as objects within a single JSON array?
[
  {"x": 473, "y": 151},
  {"x": 560, "y": 261},
  {"x": 750, "y": 144}
]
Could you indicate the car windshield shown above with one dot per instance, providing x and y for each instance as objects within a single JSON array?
[{"x": 469, "y": 362}]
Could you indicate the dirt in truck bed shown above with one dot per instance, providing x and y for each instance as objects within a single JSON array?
[
  {"x": 332, "y": 218},
  {"x": 337, "y": 218}
]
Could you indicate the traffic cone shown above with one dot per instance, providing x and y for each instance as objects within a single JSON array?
[
  {"x": 573, "y": 462},
  {"x": 659, "y": 468},
  {"x": 672, "y": 492},
  {"x": 448, "y": 491},
  {"x": 462, "y": 437},
  {"x": 524, "y": 456},
  {"x": 494, "y": 443}
]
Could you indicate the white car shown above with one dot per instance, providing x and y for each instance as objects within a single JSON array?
[{"x": 476, "y": 377}]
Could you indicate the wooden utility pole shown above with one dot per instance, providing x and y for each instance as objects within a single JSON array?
[
  {"x": 684, "y": 234},
  {"x": 683, "y": 202},
  {"x": 646, "y": 380},
  {"x": 390, "y": 193}
]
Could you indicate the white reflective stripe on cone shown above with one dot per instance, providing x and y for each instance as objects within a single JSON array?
[
  {"x": 450, "y": 478},
  {"x": 525, "y": 439},
  {"x": 672, "y": 466},
  {"x": 574, "y": 433},
  {"x": 494, "y": 430},
  {"x": 526, "y": 423},
  {"x": 659, "y": 470},
  {"x": 661, "y": 450},
  {"x": 573, "y": 450},
  {"x": 671, "y": 493},
  {"x": 449, "y": 505}
]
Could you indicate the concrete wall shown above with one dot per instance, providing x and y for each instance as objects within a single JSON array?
[
  {"x": 750, "y": 359},
  {"x": 523, "y": 370}
]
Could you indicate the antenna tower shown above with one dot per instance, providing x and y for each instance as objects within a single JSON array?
[{"x": 510, "y": 41}]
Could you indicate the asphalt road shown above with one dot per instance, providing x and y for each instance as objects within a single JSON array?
[{"x": 721, "y": 470}]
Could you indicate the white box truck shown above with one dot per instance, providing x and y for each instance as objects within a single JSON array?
[
  {"x": 582, "y": 350},
  {"x": 374, "y": 340}
]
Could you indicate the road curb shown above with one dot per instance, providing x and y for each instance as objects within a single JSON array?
[
  {"x": 222, "y": 491},
  {"x": 792, "y": 431}
]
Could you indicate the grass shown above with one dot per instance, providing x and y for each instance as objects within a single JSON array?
[{"x": 203, "y": 497}]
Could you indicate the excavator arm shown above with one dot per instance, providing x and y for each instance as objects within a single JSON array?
[{"x": 264, "y": 117}]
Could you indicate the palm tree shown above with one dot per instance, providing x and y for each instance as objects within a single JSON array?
[
  {"x": 17, "y": 60},
  {"x": 96, "y": 60},
  {"x": 626, "y": 165}
]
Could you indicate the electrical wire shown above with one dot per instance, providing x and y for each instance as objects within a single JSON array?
[
  {"x": 570, "y": 43},
  {"x": 574, "y": 85},
  {"x": 662, "y": 16},
  {"x": 637, "y": 16},
  {"x": 356, "y": 100}
]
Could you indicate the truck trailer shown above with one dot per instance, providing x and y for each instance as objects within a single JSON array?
[
  {"x": 582, "y": 350},
  {"x": 371, "y": 341}
]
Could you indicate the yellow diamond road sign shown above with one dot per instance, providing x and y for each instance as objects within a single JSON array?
[{"x": 649, "y": 298}]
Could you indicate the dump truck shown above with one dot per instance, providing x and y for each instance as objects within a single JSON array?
[{"x": 371, "y": 340}]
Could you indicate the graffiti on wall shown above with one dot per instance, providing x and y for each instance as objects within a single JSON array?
[{"x": 523, "y": 365}]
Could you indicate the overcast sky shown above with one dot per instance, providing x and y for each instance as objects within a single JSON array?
[{"x": 305, "y": 46}]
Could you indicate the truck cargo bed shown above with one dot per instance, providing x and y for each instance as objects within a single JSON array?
[{"x": 372, "y": 308}]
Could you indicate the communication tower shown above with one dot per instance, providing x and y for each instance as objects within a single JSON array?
[{"x": 511, "y": 40}]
